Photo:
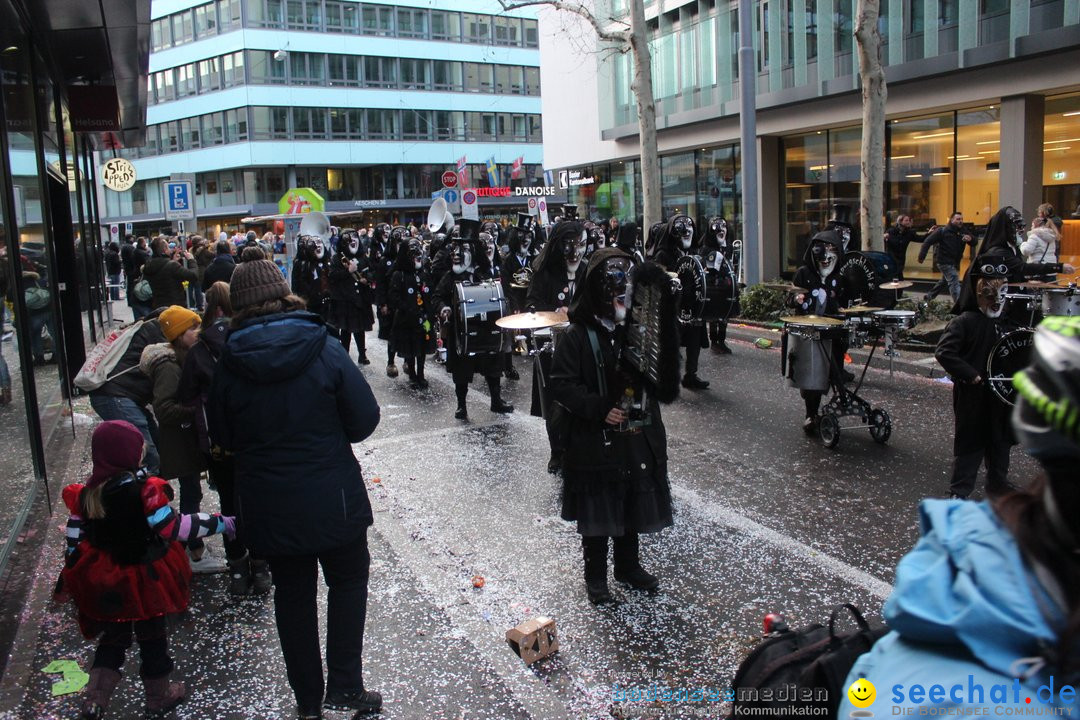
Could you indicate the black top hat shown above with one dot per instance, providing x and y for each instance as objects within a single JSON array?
[
  {"x": 468, "y": 229},
  {"x": 569, "y": 212},
  {"x": 525, "y": 221}
]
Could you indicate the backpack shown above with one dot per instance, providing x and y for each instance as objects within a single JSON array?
[
  {"x": 36, "y": 298},
  {"x": 104, "y": 357},
  {"x": 802, "y": 668},
  {"x": 142, "y": 290}
]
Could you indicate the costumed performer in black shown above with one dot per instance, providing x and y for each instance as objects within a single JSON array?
[
  {"x": 557, "y": 273},
  {"x": 825, "y": 296},
  {"x": 628, "y": 241},
  {"x": 467, "y": 267},
  {"x": 983, "y": 432},
  {"x": 414, "y": 316},
  {"x": 489, "y": 243},
  {"x": 517, "y": 264},
  {"x": 717, "y": 257},
  {"x": 669, "y": 244},
  {"x": 350, "y": 288},
  {"x": 615, "y": 468},
  {"x": 596, "y": 239},
  {"x": 311, "y": 274},
  {"x": 383, "y": 254}
]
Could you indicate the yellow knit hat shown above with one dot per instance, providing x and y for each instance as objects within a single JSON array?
[{"x": 176, "y": 320}]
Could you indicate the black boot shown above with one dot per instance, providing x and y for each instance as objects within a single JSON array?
[
  {"x": 594, "y": 551},
  {"x": 419, "y": 380},
  {"x": 497, "y": 404},
  {"x": 691, "y": 381},
  {"x": 462, "y": 390},
  {"x": 628, "y": 568}
]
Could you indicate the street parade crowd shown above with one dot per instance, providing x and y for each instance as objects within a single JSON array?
[{"x": 232, "y": 371}]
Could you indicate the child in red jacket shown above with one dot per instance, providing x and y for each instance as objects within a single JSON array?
[{"x": 126, "y": 568}]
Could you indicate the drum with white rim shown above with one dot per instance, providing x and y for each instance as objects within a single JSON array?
[
  {"x": 806, "y": 350},
  {"x": 1061, "y": 301},
  {"x": 1010, "y": 354},
  {"x": 479, "y": 305},
  {"x": 899, "y": 319}
]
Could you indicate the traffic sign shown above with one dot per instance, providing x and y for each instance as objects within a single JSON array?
[
  {"x": 449, "y": 179},
  {"x": 114, "y": 231},
  {"x": 532, "y": 205},
  {"x": 543, "y": 213},
  {"x": 469, "y": 208},
  {"x": 451, "y": 197},
  {"x": 128, "y": 228},
  {"x": 179, "y": 199}
]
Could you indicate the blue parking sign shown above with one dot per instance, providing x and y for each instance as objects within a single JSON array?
[{"x": 178, "y": 200}]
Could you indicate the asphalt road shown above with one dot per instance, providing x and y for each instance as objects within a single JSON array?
[{"x": 767, "y": 520}]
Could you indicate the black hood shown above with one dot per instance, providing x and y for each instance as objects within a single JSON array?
[
  {"x": 825, "y": 237},
  {"x": 626, "y": 237},
  {"x": 1000, "y": 233},
  {"x": 997, "y": 259},
  {"x": 552, "y": 257},
  {"x": 583, "y": 308}
]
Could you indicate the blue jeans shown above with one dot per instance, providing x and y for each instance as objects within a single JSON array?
[
  {"x": 121, "y": 408},
  {"x": 40, "y": 320},
  {"x": 950, "y": 280},
  {"x": 114, "y": 292}
]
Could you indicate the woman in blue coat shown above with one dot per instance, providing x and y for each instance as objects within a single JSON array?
[
  {"x": 288, "y": 403},
  {"x": 986, "y": 609}
]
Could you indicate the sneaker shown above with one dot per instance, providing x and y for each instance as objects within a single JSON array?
[
  {"x": 363, "y": 701},
  {"x": 461, "y": 413},
  {"x": 207, "y": 564}
]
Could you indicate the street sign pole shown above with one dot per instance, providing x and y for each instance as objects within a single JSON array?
[{"x": 179, "y": 195}]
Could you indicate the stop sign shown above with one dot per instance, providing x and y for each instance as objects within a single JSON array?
[{"x": 449, "y": 179}]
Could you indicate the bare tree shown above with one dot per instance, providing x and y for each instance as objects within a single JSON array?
[
  {"x": 626, "y": 37},
  {"x": 874, "y": 95}
]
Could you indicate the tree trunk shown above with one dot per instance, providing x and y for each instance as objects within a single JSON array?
[
  {"x": 874, "y": 95},
  {"x": 642, "y": 86}
]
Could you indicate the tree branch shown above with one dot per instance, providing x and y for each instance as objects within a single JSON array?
[{"x": 579, "y": 10}]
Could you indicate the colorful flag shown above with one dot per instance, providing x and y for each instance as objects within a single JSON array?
[
  {"x": 549, "y": 177},
  {"x": 493, "y": 172},
  {"x": 516, "y": 170},
  {"x": 462, "y": 167}
]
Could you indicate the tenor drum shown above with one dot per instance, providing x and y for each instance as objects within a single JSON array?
[
  {"x": 547, "y": 339},
  {"x": 479, "y": 305},
  {"x": 1010, "y": 354},
  {"x": 691, "y": 276},
  {"x": 807, "y": 356},
  {"x": 1061, "y": 301},
  {"x": 899, "y": 319}
]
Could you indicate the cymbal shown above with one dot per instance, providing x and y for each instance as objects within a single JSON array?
[
  {"x": 531, "y": 320},
  {"x": 519, "y": 287},
  {"x": 855, "y": 309},
  {"x": 787, "y": 287},
  {"x": 896, "y": 285},
  {"x": 819, "y": 320}
]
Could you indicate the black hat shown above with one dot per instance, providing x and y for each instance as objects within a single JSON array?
[
  {"x": 468, "y": 229},
  {"x": 569, "y": 212},
  {"x": 525, "y": 221},
  {"x": 841, "y": 215}
]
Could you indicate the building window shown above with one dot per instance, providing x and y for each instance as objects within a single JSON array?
[
  {"x": 381, "y": 124},
  {"x": 415, "y": 74},
  {"x": 477, "y": 28},
  {"x": 447, "y": 75},
  {"x": 161, "y": 34},
  {"x": 267, "y": 13},
  {"x": 344, "y": 70},
  {"x": 236, "y": 125},
  {"x": 412, "y": 23},
  {"x": 532, "y": 81},
  {"x": 232, "y": 69},
  {"x": 479, "y": 78},
  {"x": 507, "y": 30},
  {"x": 445, "y": 25},
  {"x": 449, "y": 125},
  {"x": 165, "y": 85},
  {"x": 306, "y": 68},
  {"x": 416, "y": 124},
  {"x": 1061, "y": 161},
  {"x": 183, "y": 28},
  {"x": 342, "y": 17},
  {"x": 213, "y": 128},
  {"x": 380, "y": 72},
  {"x": 209, "y": 75},
  {"x": 170, "y": 137},
  {"x": 229, "y": 17},
  {"x": 189, "y": 134},
  {"x": 265, "y": 70},
  {"x": 205, "y": 21},
  {"x": 531, "y": 33},
  {"x": 309, "y": 123},
  {"x": 185, "y": 80},
  {"x": 339, "y": 124},
  {"x": 806, "y": 192},
  {"x": 378, "y": 20}
]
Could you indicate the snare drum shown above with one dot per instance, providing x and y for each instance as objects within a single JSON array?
[
  {"x": 479, "y": 305},
  {"x": 1061, "y": 301},
  {"x": 898, "y": 319},
  {"x": 547, "y": 339},
  {"x": 860, "y": 328},
  {"x": 807, "y": 355}
]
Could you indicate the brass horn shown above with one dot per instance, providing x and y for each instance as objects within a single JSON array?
[
  {"x": 315, "y": 224},
  {"x": 439, "y": 217}
]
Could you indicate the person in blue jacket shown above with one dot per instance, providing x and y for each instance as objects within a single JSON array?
[
  {"x": 288, "y": 403},
  {"x": 985, "y": 612}
]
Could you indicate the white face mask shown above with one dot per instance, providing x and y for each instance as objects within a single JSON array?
[
  {"x": 826, "y": 266},
  {"x": 993, "y": 310},
  {"x": 319, "y": 250},
  {"x": 354, "y": 245},
  {"x": 418, "y": 264},
  {"x": 466, "y": 263}
]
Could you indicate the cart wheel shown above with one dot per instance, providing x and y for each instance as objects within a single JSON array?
[
  {"x": 829, "y": 430},
  {"x": 880, "y": 426}
]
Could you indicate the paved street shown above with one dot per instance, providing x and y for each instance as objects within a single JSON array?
[{"x": 767, "y": 520}]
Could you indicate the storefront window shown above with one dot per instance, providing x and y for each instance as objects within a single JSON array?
[
  {"x": 677, "y": 179},
  {"x": 976, "y": 163},
  {"x": 920, "y": 170},
  {"x": 719, "y": 191},
  {"x": 806, "y": 191},
  {"x": 1061, "y": 157}
]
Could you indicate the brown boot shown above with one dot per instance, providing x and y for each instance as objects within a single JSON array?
[
  {"x": 98, "y": 692},
  {"x": 162, "y": 695}
]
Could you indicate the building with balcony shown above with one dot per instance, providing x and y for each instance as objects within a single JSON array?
[
  {"x": 366, "y": 103},
  {"x": 983, "y": 108}
]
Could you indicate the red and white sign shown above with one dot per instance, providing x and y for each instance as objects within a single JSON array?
[
  {"x": 449, "y": 179},
  {"x": 462, "y": 168},
  {"x": 532, "y": 205},
  {"x": 515, "y": 171},
  {"x": 469, "y": 208}
]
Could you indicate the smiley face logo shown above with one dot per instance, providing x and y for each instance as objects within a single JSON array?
[{"x": 862, "y": 693}]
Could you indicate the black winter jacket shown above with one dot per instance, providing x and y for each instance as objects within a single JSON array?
[
  {"x": 220, "y": 269},
  {"x": 288, "y": 402},
  {"x": 949, "y": 243},
  {"x": 166, "y": 278}
]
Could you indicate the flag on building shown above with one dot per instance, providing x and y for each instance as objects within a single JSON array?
[
  {"x": 462, "y": 168},
  {"x": 516, "y": 170},
  {"x": 493, "y": 172},
  {"x": 549, "y": 177}
]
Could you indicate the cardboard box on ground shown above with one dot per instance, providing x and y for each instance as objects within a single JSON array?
[{"x": 534, "y": 639}]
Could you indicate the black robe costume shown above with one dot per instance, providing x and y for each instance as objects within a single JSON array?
[
  {"x": 614, "y": 483},
  {"x": 351, "y": 292},
  {"x": 409, "y": 297},
  {"x": 311, "y": 281},
  {"x": 667, "y": 251}
]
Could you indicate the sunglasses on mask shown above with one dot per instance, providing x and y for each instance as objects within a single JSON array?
[{"x": 992, "y": 270}]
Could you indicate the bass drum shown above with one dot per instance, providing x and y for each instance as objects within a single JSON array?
[
  {"x": 691, "y": 276},
  {"x": 862, "y": 273},
  {"x": 479, "y": 305},
  {"x": 1010, "y": 354}
]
